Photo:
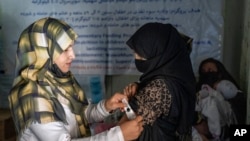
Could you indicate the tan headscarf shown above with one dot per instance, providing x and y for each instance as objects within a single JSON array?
[{"x": 35, "y": 91}]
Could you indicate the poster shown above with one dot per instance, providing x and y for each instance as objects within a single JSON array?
[{"x": 104, "y": 26}]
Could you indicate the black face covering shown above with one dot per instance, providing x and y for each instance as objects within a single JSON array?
[
  {"x": 210, "y": 78},
  {"x": 141, "y": 65}
]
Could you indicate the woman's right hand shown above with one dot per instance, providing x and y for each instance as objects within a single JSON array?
[{"x": 132, "y": 129}]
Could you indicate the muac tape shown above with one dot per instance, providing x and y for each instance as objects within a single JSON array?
[{"x": 128, "y": 110}]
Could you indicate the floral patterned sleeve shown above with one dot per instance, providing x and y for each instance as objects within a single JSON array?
[{"x": 153, "y": 101}]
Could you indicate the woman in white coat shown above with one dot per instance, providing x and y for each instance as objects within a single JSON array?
[{"x": 46, "y": 101}]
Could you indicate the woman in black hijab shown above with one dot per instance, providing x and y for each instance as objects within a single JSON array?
[
  {"x": 211, "y": 72},
  {"x": 166, "y": 91}
]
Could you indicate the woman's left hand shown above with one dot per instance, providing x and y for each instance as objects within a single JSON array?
[
  {"x": 131, "y": 89},
  {"x": 115, "y": 102}
]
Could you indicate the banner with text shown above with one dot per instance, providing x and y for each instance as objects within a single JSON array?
[{"x": 104, "y": 26}]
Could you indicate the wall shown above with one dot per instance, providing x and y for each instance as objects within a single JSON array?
[
  {"x": 233, "y": 23},
  {"x": 245, "y": 58},
  {"x": 116, "y": 83},
  {"x": 237, "y": 44}
]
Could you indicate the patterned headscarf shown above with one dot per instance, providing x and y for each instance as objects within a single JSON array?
[{"x": 36, "y": 89}]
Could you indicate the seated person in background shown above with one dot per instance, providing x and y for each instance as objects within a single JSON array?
[
  {"x": 165, "y": 93},
  {"x": 211, "y": 72},
  {"x": 214, "y": 80},
  {"x": 46, "y": 101}
]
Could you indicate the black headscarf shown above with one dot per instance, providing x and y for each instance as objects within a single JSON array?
[
  {"x": 212, "y": 77},
  {"x": 167, "y": 56}
]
